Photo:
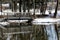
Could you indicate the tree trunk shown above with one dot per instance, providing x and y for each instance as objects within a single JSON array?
[
  {"x": 20, "y": 2},
  {"x": 56, "y": 10},
  {"x": 15, "y": 6}
]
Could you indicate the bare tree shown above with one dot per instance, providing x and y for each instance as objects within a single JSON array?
[{"x": 56, "y": 10}]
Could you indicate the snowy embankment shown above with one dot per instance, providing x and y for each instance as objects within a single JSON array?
[
  {"x": 45, "y": 21},
  {"x": 6, "y": 12},
  {"x": 37, "y": 12}
]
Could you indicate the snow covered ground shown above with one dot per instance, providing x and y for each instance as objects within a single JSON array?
[
  {"x": 5, "y": 5},
  {"x": 37, "y": 11},
  {"x": 45, "y": 21}
]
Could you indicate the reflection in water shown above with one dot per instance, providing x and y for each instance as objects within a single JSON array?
[
  {"x": 9, "y": 37},
  {"x": 45, "y": 32},
  {"x": 52, "y": 35}
]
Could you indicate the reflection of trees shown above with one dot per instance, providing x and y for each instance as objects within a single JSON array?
[{"x": 39, "y": 33}]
